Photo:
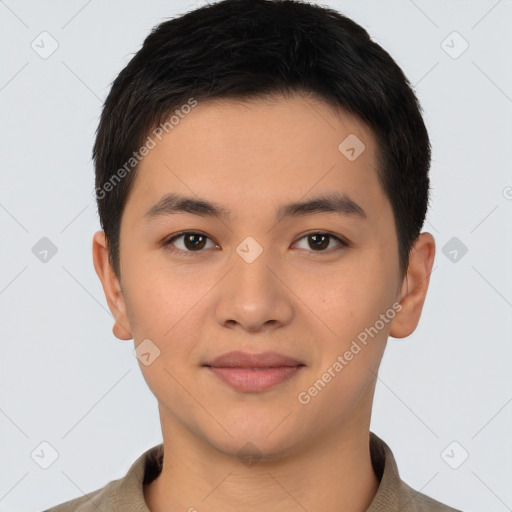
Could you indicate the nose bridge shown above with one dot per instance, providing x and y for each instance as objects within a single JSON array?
[
  {"x": 251, "y": 273},
  {"x": 252, "y": 295}
]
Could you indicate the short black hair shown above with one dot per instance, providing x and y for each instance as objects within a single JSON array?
[{"x": 245, "y": 49}]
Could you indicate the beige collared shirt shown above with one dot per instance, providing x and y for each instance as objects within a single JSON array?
[{"x": 127, "y": 495}]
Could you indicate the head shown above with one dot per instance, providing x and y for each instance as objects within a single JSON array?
[{"x": 246, "y": 107}]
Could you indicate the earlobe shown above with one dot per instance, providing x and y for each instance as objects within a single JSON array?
[
  {"x": 111, "y": 286},
  {"x": 414, "y": 286},
  {"x": 120, "y": 332}
]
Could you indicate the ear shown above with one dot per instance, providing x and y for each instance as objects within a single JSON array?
[
  {"x": 111, "y": 286},
  {"x": 414, "y": 286}
]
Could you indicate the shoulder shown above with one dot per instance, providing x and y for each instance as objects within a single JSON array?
[
  {"x": 393, "y": 493},
  {"x": 123, "y": 494},
  {"x": 90, "y": 502},
  {"x": 414, "y": 501}
]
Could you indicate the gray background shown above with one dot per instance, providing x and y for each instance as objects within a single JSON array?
[{"x": 67, "y": 381}]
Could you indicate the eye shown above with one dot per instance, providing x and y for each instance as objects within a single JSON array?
[
  {"x": 192, "y": 241},
  {"x": 319, "y": 242}
]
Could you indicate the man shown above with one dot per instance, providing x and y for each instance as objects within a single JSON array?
[{"x": 262, "y": 181}]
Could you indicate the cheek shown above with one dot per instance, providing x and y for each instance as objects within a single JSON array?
[
  {"x": 159, "y": 299},
  {"x": 349, "y": 352},
  {"x": 169, "y": 309},
  {"x": 355, "y": 311},
  {"x": 348, "y": 300},
  {"x": 163, "y": 312}
]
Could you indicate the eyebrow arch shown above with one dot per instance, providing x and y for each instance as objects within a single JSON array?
[{"x": 330, "y": 203}]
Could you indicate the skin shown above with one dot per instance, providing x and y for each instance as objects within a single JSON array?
[{"x": 292, "y": 299}]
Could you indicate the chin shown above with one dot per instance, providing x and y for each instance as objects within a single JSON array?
[{"x": 265, "y": 438}]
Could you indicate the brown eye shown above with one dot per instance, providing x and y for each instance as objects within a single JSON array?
[
  {"x": 191, "y": 242},
  {"x": 194, "y": 241},
  {"x": 319, "y": 242}
]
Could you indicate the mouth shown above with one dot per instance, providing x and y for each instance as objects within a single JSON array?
[{"x": 254, "y": 373}]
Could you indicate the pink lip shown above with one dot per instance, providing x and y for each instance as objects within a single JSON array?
[{"x": 254, "y": 372}]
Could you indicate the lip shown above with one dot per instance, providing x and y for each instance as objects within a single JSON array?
[
  {"x": 238, "y": 359},
  {"x": 248, "y": 372}
]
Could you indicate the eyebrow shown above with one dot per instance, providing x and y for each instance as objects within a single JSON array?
[{"x": 330, "y": 203}]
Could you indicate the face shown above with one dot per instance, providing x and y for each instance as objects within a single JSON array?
[{"x": 310, "y": 284}]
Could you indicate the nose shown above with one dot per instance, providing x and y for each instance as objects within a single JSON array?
[{"x": 253, "y": 296}]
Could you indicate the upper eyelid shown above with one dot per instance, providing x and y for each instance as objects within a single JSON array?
[{"x": 177, "y": 235}]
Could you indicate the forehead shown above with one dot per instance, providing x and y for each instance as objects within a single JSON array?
[{"x": 249, "y": 154}]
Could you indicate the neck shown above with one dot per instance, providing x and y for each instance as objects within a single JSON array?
[{"x": 330, "y": 474}]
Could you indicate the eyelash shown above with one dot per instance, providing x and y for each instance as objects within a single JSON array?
[{"x": 343, "y": 244}]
